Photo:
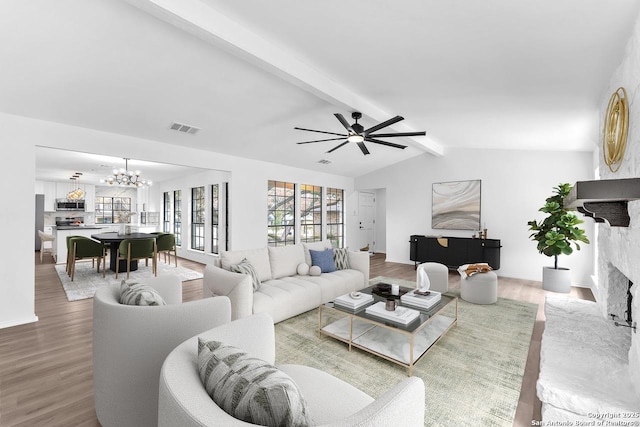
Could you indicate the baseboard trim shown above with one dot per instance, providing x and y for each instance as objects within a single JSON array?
[{"x": 18, "y": 322}]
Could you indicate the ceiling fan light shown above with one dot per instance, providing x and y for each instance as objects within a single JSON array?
[{"x": 355, "y": 138}]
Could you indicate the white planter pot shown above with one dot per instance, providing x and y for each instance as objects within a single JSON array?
[{"x": 556, "y": 280}]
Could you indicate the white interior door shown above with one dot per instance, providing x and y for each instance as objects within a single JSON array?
[{"x": 366, "y": 218}]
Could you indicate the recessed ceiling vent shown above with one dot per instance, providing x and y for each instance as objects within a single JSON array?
[
  {"x": 181, "y": 127},
  {"x": 324, "y": 161}
]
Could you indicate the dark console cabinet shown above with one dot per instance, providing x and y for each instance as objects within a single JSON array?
[{"x": 454, "y": 251}]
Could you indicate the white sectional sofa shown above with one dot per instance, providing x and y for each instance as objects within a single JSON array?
[{"x": 283, "y": 293}]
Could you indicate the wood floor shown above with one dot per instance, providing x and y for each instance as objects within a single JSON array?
[{"x": 46, "y": 372}]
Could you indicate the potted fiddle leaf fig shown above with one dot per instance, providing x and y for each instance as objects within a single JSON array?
[{"x": 555, "y": 236}]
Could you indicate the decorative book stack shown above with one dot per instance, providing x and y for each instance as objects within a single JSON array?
[
  {"x": 424, "y": 302},
  {"x": 402, "y": 315},
  {"x": 347, "y": 301}
]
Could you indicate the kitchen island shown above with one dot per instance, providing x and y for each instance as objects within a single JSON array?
[{"x": 63, "y": 231}]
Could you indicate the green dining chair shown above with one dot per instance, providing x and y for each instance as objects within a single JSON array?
[
  {"x": 84, "y": 248},
  {"x": 70, "y": 251},
  {"x": 166, "y": 243},
  {"x": 137, "y": 249}
]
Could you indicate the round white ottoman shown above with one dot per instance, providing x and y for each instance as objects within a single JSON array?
[{"x": 481, "y": 288}]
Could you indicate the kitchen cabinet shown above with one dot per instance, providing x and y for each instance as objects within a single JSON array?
[
  {"x": 89, "y": 198},
  {"x": 150, "y": 218},
  {"x": 49, "y": 190}
]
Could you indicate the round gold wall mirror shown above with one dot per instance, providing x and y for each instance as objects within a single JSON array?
[{"x": 616, "y": 127}]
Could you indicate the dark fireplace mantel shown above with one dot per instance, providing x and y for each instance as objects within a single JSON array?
[{"x": 605, "y": 199}]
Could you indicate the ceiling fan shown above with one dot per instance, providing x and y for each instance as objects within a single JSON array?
[{"x": 358, "y": 134}]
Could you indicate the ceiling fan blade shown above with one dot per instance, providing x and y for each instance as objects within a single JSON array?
[
  {"x": 344, "y": 122},
  {"x": 389, "y": 135},
  {"x": 336, "y": 147},
  {"x": 389, "y": 144},
  {"x": 389, "y": 122},
  {"x": 320, "y": 140},
  {"x": 363, "y": 148},
  {"x": 322, "y": 131}
]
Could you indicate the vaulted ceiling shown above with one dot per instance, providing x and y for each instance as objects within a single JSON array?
[{"x": 491, "y": 74}]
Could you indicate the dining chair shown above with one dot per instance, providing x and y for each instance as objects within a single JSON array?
[
  {"x": 137, "y": 249},
  {"x": 83, "y": 248},
  {"x": 166, "y": 243},
  {"x": 70, "y": 252},
  {"x": 46, "y": 237}
]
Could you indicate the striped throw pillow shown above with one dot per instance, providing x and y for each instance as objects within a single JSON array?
[
  {"x": 245, "y": 267},
  {"x": 139, "y": 294},
  {"x": 248, "y": 388},
  {"x": 341, "y": 258}
]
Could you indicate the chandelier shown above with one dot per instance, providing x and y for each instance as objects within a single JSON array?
[{"x": 125, "y": 177}]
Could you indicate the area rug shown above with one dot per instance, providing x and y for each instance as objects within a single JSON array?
[
  {"x": 473, "y": 375},
  {"x": 86, "y": 280}
]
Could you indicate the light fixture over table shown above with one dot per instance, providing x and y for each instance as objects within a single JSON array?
[{"x": 125, "y": 177}]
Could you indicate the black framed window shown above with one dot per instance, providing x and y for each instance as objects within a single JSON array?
[
  {"x": 281, "y": 208},
  {"x": 335, "y": 216},
  {"x": 113, "y": 210},
  {"x": 166, "y": 212},
  {"x": 177, "y": 216},
  {"x": 215, "y": 218},
  {"x": 310, "y": 213},
  {"x": 197, "y": 218}
]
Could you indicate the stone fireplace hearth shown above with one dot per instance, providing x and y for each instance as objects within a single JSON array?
[{"x": 619, "y": 263}]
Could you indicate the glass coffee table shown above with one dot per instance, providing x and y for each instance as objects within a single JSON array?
[{"x": 393, "y": 341}]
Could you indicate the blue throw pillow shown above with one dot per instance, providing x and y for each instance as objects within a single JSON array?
[{"x": 324, "y": 260}]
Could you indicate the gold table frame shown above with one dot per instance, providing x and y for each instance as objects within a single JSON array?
[{"x": 426, "y": 318}]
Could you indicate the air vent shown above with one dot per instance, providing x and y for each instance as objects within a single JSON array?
[
  {"x": 324, "y": 161},
  {"x": 181, "y": 127}
]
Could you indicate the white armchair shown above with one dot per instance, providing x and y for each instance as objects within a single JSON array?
[
  {"x": 184, "y": 402},
  {"x": 131, "y": 342}
]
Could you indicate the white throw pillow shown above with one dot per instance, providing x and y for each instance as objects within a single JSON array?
[
  {"x": 303, "y": 269},
  {"x": 284, "y": 260},
  {"x": 139, "y": 294},
  {"x": 248, "y": 388},
  {"x": 314, "y": 270},
  {"x": 258, "y": 258}
]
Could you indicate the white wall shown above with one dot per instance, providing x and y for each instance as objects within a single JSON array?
[
  {"x": 515, "y": 185},
  {"x": 21, "y": 135},
  {"x": 16, "y": 254}
]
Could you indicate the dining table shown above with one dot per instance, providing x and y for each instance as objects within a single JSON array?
[{"x": 114, "y": 239}]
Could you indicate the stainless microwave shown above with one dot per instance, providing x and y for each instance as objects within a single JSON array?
[{"x": 69, "y": 205}]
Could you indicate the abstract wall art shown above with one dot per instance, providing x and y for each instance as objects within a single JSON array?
[{"x": 455, "y": 205}]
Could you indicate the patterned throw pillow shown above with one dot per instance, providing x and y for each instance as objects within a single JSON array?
[
  {"x": 245, "y": 267},
  {"x": 248, "y": 388},
  {"x": 341, "y": 258},
  {"x": 324, "y": 260},
  {"x": 139, "y": 294}
]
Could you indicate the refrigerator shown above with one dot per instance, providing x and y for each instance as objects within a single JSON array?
[{"x": 39, "y": 218}]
